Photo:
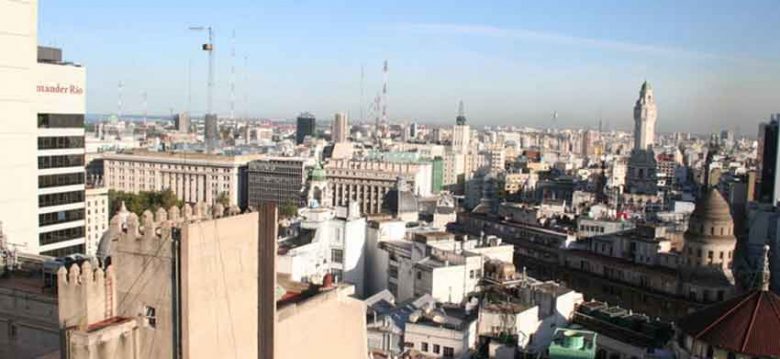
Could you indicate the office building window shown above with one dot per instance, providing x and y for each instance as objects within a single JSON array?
[
  {"x": 60, "y": 180},
  {"x": 60, "y": 235},
  {"x": 436, "y": 349},
  {"x": 60, "y": 252},
  {"x": 45, "y": 219},
  {"x": 60, "y": 121},
  {"x": 56, "y": 199},
  {"x": 45, "y": 162},
  {"x": 424, "y": 346},
  {"x": 51, "y": 143},
  {"x": 449, "y": 352}
]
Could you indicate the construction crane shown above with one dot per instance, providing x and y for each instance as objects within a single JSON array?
[{"x": 208, "y": 47}]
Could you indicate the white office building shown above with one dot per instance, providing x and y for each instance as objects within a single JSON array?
[{"x": 329, "y": 241}]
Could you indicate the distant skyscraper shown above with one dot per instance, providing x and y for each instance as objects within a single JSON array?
[
  {"x": 413, "y": 130},
  {"x": 645, "y": 115},
  {"x": 211, "y": 133},
  {"x": 768, "y": 187},
  {"x": 340, "y": 129},
  {"x": 182, "y": 122},
  {"x": 305, "y": 127},
  {"x": 641, "y": 177},
  {"x": 461, "y": 133}
]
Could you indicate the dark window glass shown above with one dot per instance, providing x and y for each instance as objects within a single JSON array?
[
  {"x": 64, "y": 251},
  {"x": 45, "y": 162},
  {"x": 60, "y": 121},
  {"x": 56, "y": 199},
  {"x": 49, "y": 143},
  {"x": 45, "y": 219},
  {"x": 60, "y": 180},
  {"x": 60, "y": 235}
]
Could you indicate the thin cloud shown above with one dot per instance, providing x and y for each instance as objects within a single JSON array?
[{"x": 568, "y": 40}]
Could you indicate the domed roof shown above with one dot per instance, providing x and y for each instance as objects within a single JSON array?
[
  {"x": 746, "y": 324},
  {"x": 318, "y": 173},
  {"x": 712, "y": 207}
]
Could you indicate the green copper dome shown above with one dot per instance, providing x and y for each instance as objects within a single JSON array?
[{"x": 318, "y": 173}]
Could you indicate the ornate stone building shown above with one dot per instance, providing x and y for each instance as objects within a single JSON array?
[
  {"x": 641, "y": 177},
  {"x": 709, "y": 250}
]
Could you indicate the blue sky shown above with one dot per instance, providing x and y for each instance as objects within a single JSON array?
[{"x": 713, "y": 64}]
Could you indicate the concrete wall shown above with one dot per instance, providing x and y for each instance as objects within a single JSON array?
[
  {"x": 328, "y": 325},
  {"x": 219, "y": 281},
  {"x": 376, "y": 258},
  {"x": 354, "y": 240},
  {"x": 28, "y": 323}
]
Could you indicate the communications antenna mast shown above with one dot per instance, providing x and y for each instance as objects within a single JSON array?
[
  {"x": 209, "y": 48},
  {"x": 384, "y": 94},
  {"x": 233, "y": 77},
  {"x": 362, "y": 79},
  {"x": 119, "y": 100}
]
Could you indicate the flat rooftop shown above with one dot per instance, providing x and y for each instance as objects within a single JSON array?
[
  {"x": 182, "y": 157},
  {"x": 28, "y": 282}
]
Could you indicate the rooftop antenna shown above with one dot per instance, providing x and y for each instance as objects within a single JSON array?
[
  {"x": 246, "y": 87},
  {"x": 209, "y": 48},
  {"x": 145, "y": 98},
  {"x": 119, "y": 100},
  {"x": 362, "y": 79},
  {"x": 384, "y": 94},
  {"x": 233, "y": 76},
  {"x": 189, "y": 85}
]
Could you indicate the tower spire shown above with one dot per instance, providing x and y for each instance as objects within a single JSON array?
[{"x": 461, "y": 119}]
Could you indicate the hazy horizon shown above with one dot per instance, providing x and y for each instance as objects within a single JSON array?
[{"x": 512, "y": 63}]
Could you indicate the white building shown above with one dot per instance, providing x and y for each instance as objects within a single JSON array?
[
  {"x": 60, "y": 104},
  {"x": 367, "y": 181},
  {"x": 18, "y": 133},
  {"x": 43, "y": 139},
  {"x": 329, "y": 241},
  {"x": 193, "y": 177},
  {"x": 437, "y": 264},
  {"x": 380, "y": 230},
  {"x": 446, "y": 332},
  {"x": 96, "y": 217}
]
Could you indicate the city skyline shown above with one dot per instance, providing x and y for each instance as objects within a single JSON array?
[{"x": 511, "y": 64}]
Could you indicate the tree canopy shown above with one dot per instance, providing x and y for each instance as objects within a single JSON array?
[{"x": 138, "y": 203}]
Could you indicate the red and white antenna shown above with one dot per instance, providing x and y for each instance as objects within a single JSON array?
[{"x": 384, "y": 94}]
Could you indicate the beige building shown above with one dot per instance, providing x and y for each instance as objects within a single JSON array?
[
  {"x": 97, "y": 212},
  {"x": 187, "y": 283},
  {"x": 368, "y": 181},
  {"x": 193, "y": 177},
  {"x": 330, "y": 324},
  {"x": 180, "y": 282},
  {"x": 340, "y": 130}
]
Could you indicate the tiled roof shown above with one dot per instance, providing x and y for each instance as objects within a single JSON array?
[{"x": 746, "y": 324}]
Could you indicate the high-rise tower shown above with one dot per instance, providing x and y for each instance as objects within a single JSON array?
[
  {"x": 641, "y": 177},
  {"x": 645, "y": 114},
  {"x": 461, "y": 133}
]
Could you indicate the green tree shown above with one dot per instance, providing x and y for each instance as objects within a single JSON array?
[
  {"x": 224, "y": 199},
  {"x": 288, "y": 210},
  {"x": 145, "y": 200}
]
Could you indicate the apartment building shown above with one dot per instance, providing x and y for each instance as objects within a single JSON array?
[
  {"x": 278, "y": 179},
  {"x": 368, "y": 181},
  {"x": 193, "y": 177}
]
